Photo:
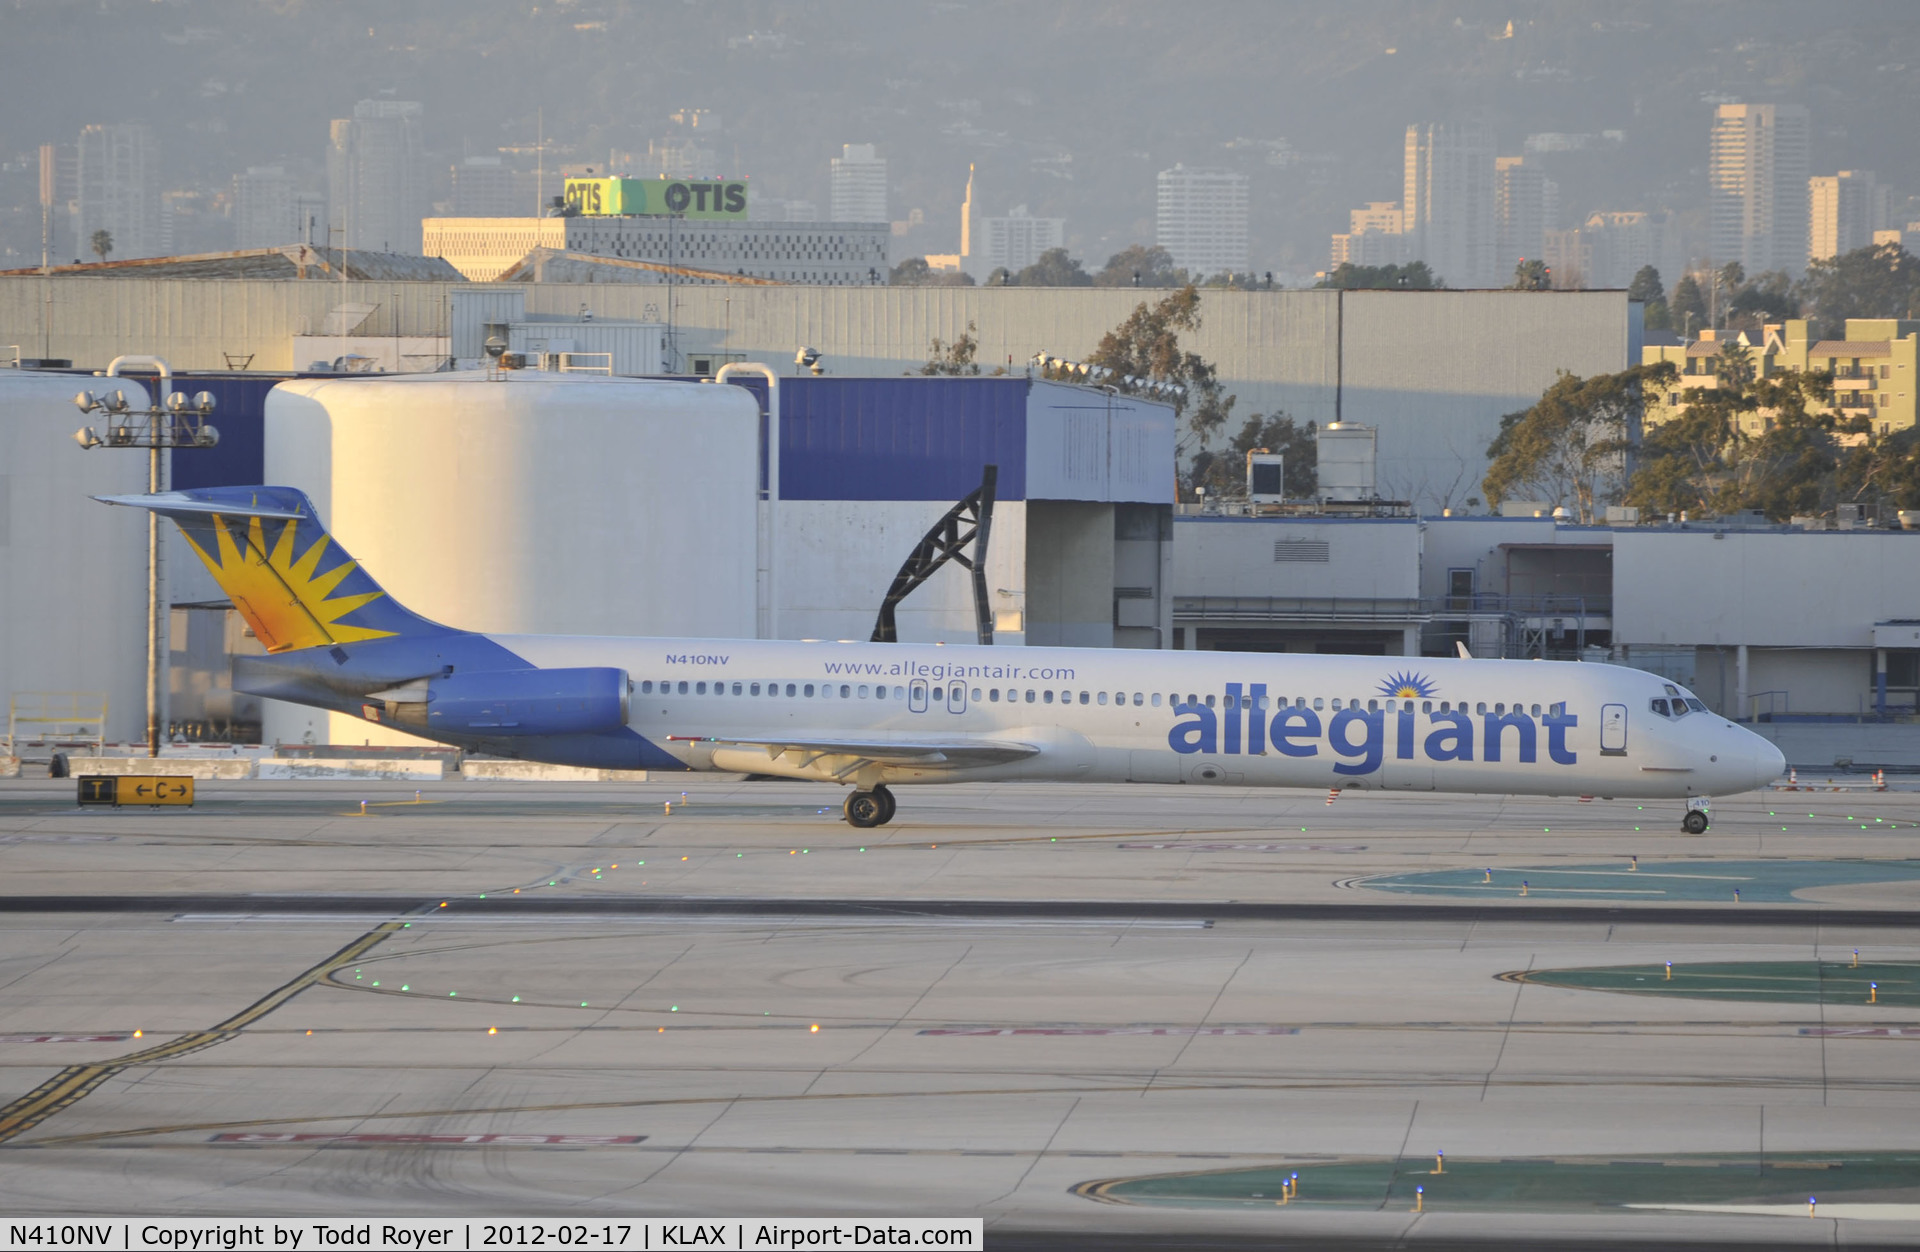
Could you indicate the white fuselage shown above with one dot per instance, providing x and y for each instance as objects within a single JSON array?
[{"x": 1116, "y": 715}]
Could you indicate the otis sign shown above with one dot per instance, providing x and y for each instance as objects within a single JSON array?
[
  {"x": 656, "y": 197},
  {"x": 1244, "y": 724}
]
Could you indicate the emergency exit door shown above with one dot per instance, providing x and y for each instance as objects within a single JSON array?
[{"x": 917, "y": 696}]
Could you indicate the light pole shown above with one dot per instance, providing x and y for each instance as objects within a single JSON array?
[{"x": 175, "y": 422}]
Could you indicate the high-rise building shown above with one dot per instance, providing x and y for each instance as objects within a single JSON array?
[
  {"x": 859, "y": 185},
  {"x": 1017, "y": 240},
  {"x": 376, "y": 177},
  {"x": 264, "y": 215},
  {"x": 1845, "y": 212},
  {"x": 1619, "y": 244},
  {"x": 1449, "y": 201},
  {"x": 1526, "y": 205},
  {"x": 1202, "y": 220},
  {"x": 1375, "y": 236},
  {"x": 119, "y": 192},
  {"x": 1757, "y": 187}
]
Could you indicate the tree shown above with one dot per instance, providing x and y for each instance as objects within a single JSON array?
[
  {"x": 1531, "y": 276},
  {"x": 102, "y": 243},
  {"x": 1147, "y": 345},
  {"x": 1768, "y": 298},
  {"x": 1414, "y": 276},
  {"x": 1881, "y": 281},
  {"x": 1054, "y": 269},
  {"x": 1705, "y": 461},
  {"x": 954, "y": 358},
  {"x": 1141, "y": 266},
  {"x": 1225, "y": 473},
  {"x": 1687, "y": 310},
  {"x": 1571, "y": 446},
  {"x": 1647, "y": 289},
  {"x": 915, "y": 272}
]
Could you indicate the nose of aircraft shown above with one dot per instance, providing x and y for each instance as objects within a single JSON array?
[{"x": 1768, "y": 761}]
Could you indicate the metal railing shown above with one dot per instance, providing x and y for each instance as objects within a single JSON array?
[
  {"x": 1777, "y": 702},
  {"x": 76, "y": 718},
  {"x": 1301, "y": 609}
]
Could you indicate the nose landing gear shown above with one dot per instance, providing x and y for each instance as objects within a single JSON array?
[
  {"x": 1697, "y": 819},
  {"x": 866, "y": 809}
]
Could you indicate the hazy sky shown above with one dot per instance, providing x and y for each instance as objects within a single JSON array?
[{"x": 1069, "y": 108}]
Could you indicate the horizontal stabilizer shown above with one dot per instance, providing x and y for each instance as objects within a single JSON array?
[{"x": 184, "y": 502}]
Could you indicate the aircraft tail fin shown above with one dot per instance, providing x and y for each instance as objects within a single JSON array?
[{"x": 292, "y": 582}]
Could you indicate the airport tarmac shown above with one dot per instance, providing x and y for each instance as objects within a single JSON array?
[{"x": 1120, "y": 1013}]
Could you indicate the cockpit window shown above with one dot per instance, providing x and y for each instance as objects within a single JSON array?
[
  {"x": 1660, "y": 707},
  {"x": 1671, "y": 689},
  {"x": 1698, "y": 706}
]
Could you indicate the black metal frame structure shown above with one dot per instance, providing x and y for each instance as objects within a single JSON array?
[{"x": 968, "y": 522}]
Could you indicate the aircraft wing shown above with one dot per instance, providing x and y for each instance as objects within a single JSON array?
[{"x": 951, "y": 753}]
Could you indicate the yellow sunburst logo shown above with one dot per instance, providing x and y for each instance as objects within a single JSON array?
[{"x": 287, "y": 600}]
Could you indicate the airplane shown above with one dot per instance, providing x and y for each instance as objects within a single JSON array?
[{"x": 872, "y": 716}]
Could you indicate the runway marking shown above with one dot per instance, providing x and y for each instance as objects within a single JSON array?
[
  {"x": 1246, "y": 847},
  {"x": 437, "y": 1141},
  {"x": 120, "y": 1038},
  {"x": 77, "y": 1082},
  {"x": 970, "y": 1031}
]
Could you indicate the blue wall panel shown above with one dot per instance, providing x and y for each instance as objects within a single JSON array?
[
  {"x": 901, "y": 438},
  {"x": 240, "y": 405}
]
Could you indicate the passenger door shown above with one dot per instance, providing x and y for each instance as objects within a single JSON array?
[{"x": 1613, "y": 730}]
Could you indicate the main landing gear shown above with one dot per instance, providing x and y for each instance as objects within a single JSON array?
[
  {"x": 866, "y": 809},
  {"x": 1697, "y": 820}
]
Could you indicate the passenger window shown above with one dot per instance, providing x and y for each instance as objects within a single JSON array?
[
  {"x": 993, "y": 695},
  {"x": 1156, "y": 700},
  {"x": 1336, "y": 702},
  {"x": 790, "y": 689},
  {"x": 1049, "y": 697},
  {"x": 863, "y": 691},
  {"x": 1103, "y": 698},
  {"x": 845, "y": 692},
  {"x": 736, "y": 689},
  {"x": 683, "y": 688},
  {"x": 646, "y": 688},
  {"x": 1481, "y": 708},
  {"x": 700, "y": 689},
  {"x": 809, "y": 690},
  {"x": 1536, "y": 710},
  {"x": 1209, "y": 701},
  {"x": 1499, "y": 708},
  {"x": 1029, "y": 695},
  {"x": 1066, "y": 697},
  {"x": 1373, "y": 706},
  {"x": 1660, "y": 707},
  {"x": 976, "y": 695},
  {"x": 754, "y": 690},
  {"x": 1139, "y": 698},
  {"x": 1319, "y": 702},
  {"x": 939, "y": 694},
  {"x": 1426, "y": 706}
]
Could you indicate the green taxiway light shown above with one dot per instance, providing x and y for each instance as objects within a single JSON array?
[
  {"x": 516, "y": 999},
  {"x": 404, "y": 987},
  {"x": 453, "y": 993},
  {"x": 376, "y": 982},
  {"x": 674, "y": 1009}
]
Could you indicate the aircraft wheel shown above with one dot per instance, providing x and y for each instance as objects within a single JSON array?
[
  {"x": 887, "y": 804},
  {"x": 864, "y": 809},
  {"x": 1694, "y": 823}
]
